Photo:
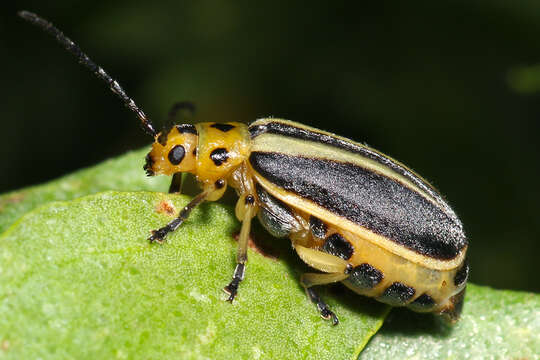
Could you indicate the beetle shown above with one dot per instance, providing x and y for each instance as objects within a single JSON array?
[{"x": 356, "y": 215}]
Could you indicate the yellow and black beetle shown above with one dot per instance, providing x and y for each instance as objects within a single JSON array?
[{"x": 351, "y": 212}]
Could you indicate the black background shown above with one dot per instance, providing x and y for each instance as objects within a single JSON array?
[{"x": 438, "y": 85}]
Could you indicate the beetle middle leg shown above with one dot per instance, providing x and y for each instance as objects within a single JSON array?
[{"x": 247, "y": 204}]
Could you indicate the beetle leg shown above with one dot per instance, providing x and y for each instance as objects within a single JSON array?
[
  {"x": 311, "y": 279},
  {"x": 336, "y": 270},
  {"x": 241, "y": 255},
  {"x": 159, "y": 235},
  {"x": 176, "y": 183}
]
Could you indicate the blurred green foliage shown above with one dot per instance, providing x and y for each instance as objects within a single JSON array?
[{"x": 425, "y": 82}]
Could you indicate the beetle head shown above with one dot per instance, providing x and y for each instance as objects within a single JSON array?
[{"x": 174, "y": 150}]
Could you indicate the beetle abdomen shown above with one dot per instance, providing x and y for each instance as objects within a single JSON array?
[{"x": 397, "y": 281}]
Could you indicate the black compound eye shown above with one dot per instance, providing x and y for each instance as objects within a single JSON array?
[{"x": 176, "y": 155}]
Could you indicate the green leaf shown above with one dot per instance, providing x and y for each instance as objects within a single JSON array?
[
  {"x": 123, "y": 173},
  {"x": 78, "y": 279},
  {"x": 496, "y": 324}
]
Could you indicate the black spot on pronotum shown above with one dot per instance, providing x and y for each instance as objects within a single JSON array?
[
  {"x": 222, "y": 127},
  {"x": 250, "y": 200},
  {"x": 219, "y": 156},
  {"x": 337, "y": 245},
  {"x": 219, "y": 183},
  {"x": 318, "y": 228},
  {"x": 462, "y": 274},
  {"x": 186, "y": 128},
  {"x": 397, "y": 294},
  {"x": 422, "y": 303},
  {"x": 148, "y": 165},
  {"x": 365, "y": 276},
  {"x": 176, "y": 155}
]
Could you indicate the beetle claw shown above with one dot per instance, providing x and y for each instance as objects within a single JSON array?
[
  {"x": 232, "y": 290},
  {"x": 158, "y": 236},
  {"x": 326, "y": 314}
]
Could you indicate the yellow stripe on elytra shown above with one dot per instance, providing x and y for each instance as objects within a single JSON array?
[{"x": 297, "y": 147}]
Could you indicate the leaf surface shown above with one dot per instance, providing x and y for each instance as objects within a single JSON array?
[
  {"x": 496, "y": 324},
  {"x": 79, "y": 280}
]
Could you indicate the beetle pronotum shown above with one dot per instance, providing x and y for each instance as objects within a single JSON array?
[{"x": 351, "y": 212}]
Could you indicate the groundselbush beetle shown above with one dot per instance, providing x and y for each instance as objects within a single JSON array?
[{"x": 351, "y": 212}]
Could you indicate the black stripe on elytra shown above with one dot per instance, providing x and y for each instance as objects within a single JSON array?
[
  {"x": 366, "y": 198},
  {"x": 222, "y": 127},
  {"x": 279, "y": 128}
]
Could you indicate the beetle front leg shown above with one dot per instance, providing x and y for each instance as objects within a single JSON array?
[
  {"x": 159, "y": 234},
  {"x": 176, "y": 183},
  {"x": 249, "y": 210}
]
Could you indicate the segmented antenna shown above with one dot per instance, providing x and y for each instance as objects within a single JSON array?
[{"x": 97, "y": 70}]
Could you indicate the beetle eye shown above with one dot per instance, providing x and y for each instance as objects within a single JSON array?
[{"x": 176, "y": 155}]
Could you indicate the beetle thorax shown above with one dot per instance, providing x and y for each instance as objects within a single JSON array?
[
  {"x": 221, "y": 149},
  {"x": 211, "y": 151}
]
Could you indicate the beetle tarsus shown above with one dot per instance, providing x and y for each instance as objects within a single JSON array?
[
  {"x": 326, "y": 314},
  {"x": 323, "y": 308},
  {"x": 158, "y": 236},
  {"x": 238, "y": 276},
  {"x": 232, "y": 290}
]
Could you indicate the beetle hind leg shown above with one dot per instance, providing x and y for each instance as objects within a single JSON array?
[
  {"x": 336, "y": 269},
  {"x": 308, "y": 280}
]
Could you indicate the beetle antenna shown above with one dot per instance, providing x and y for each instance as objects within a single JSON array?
[{"x": 83, "y": 59}]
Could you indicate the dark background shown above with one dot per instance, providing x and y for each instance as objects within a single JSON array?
[{"x": 447, "y": 87}]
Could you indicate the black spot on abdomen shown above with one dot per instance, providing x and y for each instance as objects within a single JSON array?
[
  {"x": 422, "y": 303},
  {"x": 337, "y": 245},
  {"x": 397, "y": 294},
  {"x": 317, "y": 227},
  {"x": 365, "y": 277}
]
